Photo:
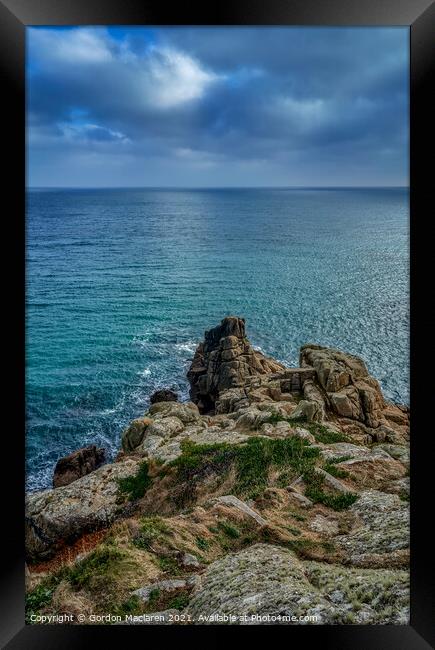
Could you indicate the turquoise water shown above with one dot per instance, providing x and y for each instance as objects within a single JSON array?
[{"x": 121, "y": 285}]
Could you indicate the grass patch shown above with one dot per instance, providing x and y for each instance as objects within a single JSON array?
[
  {"x": 229, "y": 530},
  {"x": 98, "y": 564},
  {"x": 202, "y": 543},
  {"x": 297, "y": 516},
  {"x": 338, "y": 459},
  {"x": 132, "y": 606},
  {"x": 294, "y": 531},
  {"x": 134, "y": 487},
  {"x": 169, "y": 565},
  {"x": 319, "y": 431},
  {"x": 326, "y": 436},
  {"x": 38, "y": 599},
  {"x": 180, "y": 601},
  {"x": 332, "y": 469},
  {"x": 314, "y": 491},
  {"x": 251, "y": 460},
  {"x": 151, "y": 529}
]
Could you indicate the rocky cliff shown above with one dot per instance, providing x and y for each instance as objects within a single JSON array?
[{"x": 276, "y": 495}]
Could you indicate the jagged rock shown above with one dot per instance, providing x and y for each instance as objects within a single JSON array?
[
  {"x": 224, "y": 360},
  {"x": 369, "y": 596},
  {"x": 332, "y": 482},
  {"x": 77, "y": 464},
  {"x": 187, "y": 412},
  {"x": 327, "y": 526},
  {"x": 259, "y": 581},
  {"x": 189, "y": 561},
  {"x": 165, "y": 427},
  {"x": 58, "y": 516},
  {"x": 164, "y": 395},
  {"x": 166, "y": 586},
  {"x": 231, "y": 500},
  {"x": 373, "y": 471},
  {"x": 380, "y": 534},
  {"x": 133, "y": 435},
  {"x": 351, "y": 391},
  {"x": 313, "y": 394},
  {"x": 311, "y": 411}
]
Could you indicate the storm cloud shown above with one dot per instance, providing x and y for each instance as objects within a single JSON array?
[{"x": 217, "y": 106}]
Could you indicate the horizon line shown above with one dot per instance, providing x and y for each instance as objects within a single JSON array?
[{"x": 214, "y": 187}]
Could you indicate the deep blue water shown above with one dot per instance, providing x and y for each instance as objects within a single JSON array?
[{"x": 121, "y": 285}]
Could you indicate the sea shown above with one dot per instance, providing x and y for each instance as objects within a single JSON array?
[{"x": 122, "y": 283}]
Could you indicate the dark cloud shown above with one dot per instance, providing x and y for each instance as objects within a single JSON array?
[{"x": 218, "y": 106}]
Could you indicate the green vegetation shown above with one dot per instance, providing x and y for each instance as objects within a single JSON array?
[
  {"x": 151, "y": 529},
  {"x": 252, "y": 462},
  {"x": 229, "y": 530},
  {"x": 319, "y": 431},
  {"x": 202, "y": 543},
  {"x": 297, "y": 516},
  {"x": 169, "y": 565},
  {"x": 180, "y": 601},
  {"x": 98, "y": 564},
  {"x": 314, "y": 490},
  {"x": 335, "y": 471},
  {"x": 338, "y": 459},
  {"x": 132, "y": 606},
  {"x": 38, "y": 598},
  {"x": 134, "y": 487},
  {"x": 293, "y": 530}
]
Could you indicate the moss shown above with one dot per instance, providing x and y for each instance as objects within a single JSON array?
[
  {"x": 134, "y": 487},
  {"x": 151, "y": 529}
]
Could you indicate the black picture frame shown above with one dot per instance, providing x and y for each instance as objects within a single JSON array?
[{"x": 419, "y": 15}]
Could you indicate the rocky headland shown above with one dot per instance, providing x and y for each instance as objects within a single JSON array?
[{"x": 275, "y": 494}]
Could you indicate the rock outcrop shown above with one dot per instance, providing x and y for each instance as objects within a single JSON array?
[
  {"x": 276, "y": 493},
  {"x": 266, "y": 584},
  {"x": 163, "y": 395},
  {"x": 225, "y": 359},
  {"x": 55, "y": 517},
  {"x": 78, "y": 464},
  {"x": 349, "y": 390}
]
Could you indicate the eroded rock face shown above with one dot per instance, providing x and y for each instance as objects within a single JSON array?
[
  {"x": 78, "y": 464},
  {"x": 380, "y": 534},
  {"x": 133, "y": 435},
  {"x": 269, "y": 581},
  {"x": 164, "y": 395},
  {"x": 224, "y": 360},
  {"x": 351, "y": 391},
  {"x": 60, "y": 515},
  {"x": 260, "y": 580}
]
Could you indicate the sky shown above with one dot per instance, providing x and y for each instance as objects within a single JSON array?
[{"x": 217, "y": 107}]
